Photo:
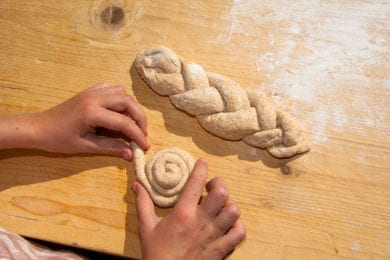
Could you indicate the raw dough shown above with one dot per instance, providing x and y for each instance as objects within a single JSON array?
[
  {"x": 165, "y": 173},
  {"x": 221, "y": 106}
]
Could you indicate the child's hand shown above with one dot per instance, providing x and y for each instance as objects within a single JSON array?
[
  {"x": 207, "y": 231},
  {"x": 70, "y": 127}
]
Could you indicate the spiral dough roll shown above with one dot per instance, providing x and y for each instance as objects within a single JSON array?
[{"x": 164, "y": 174}]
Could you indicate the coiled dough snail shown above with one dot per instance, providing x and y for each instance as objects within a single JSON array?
[{"x": 164, "y": 174}]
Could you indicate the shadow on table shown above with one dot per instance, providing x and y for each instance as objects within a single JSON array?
[
  {"x": 19, "y": 167},
  {"x": 24, "y": 166}
]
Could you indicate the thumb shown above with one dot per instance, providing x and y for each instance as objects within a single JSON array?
[
  {"x": 147, "y": 217},
  {"x": 108, "y": 145}
]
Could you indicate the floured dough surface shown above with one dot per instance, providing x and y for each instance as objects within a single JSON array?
[
  {"x": 164, "y": 174},
  {"x": 221, "y": 106}
]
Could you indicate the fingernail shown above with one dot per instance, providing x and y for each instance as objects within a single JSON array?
[
  {"x": 127, "y": 155},
  {"x": 203, "y": 160}
]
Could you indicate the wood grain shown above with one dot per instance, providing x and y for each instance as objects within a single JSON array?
[{"x": 327, "y": 63}]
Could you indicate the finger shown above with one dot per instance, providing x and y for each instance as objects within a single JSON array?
[
  {"x": 118, "y": 122},
  {"x": 192, "y": 191},
  {"x": 118, "y": 100},
  {"x": 224, "y": 245},
  {"x": 226, "y": 218},
  {"x": 106, "y": 145},
  {"x": 136, "y": 112},
  {"x": 147, "y": 217},
  {"x": 216, "y": 198},
  {"x": 125, "y": 103}
]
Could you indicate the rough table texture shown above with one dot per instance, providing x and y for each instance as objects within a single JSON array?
[{"x": 326, "y": 63}]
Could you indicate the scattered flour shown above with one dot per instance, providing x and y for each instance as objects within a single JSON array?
[
  {"x": 317, "y": 52},
  {"x": 355, "y": 246}
]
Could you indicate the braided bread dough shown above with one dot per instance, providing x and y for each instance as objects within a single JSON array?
[
  {"x": 221, "y": 106},
  {"x": 165, "y": 173}
]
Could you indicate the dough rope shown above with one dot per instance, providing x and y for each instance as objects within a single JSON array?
[
  {"x": 165, "y": 173},
  {"x": 221, "y": 106}
]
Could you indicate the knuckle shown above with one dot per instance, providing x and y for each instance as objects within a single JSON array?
[
  {"x": 241, "y": 232},
  {"x": 182, "y": 215},
  {"x": 87, "y": 95},
  {"x": 216, "y": 182},
  {"x": 120, "y": 89},
  {"x": 234, "y": 211},
  {"x": 128, "y": 99},
  {"x": 241, "y": 236},
  {"x": 221, "y": 193},
  {"x": 87, "y": 109},
  {"x": 87, "y": 102}
]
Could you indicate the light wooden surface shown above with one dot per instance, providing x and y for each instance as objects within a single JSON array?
[{"x": 325, "y": 62}]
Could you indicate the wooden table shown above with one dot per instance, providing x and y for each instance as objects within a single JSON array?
[{"x": 327, "y": 63}]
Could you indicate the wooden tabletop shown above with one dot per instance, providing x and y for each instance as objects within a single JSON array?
[{"x": 327, "y": 63}]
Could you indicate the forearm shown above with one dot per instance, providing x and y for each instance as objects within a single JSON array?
[{"x": 18, "y": 131}]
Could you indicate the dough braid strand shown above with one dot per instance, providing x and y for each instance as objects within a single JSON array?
[{"x": 221, "y": 106}]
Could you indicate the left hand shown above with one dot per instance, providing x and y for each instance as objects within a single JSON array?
[{"x": 70, "y": 127}]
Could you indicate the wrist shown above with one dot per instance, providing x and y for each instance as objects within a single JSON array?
[{"x": 19, "y": 131}]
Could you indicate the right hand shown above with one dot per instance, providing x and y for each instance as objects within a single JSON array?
[{"x": 209, "y": 230}]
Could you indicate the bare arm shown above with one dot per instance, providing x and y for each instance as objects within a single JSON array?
[
  {"x": 70, "y": 127},
  {"x": 18, "y": 131}
]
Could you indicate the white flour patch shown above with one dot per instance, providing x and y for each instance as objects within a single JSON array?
[
  {"x": 294, "y": 29},
  {"x": 241, "y": 15},
  {"x": 318, "y": 130},
  {"x": 340, "y": 117},
  {"x": 317, "y": 52},
  {"x": 355, "y": 246}
]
